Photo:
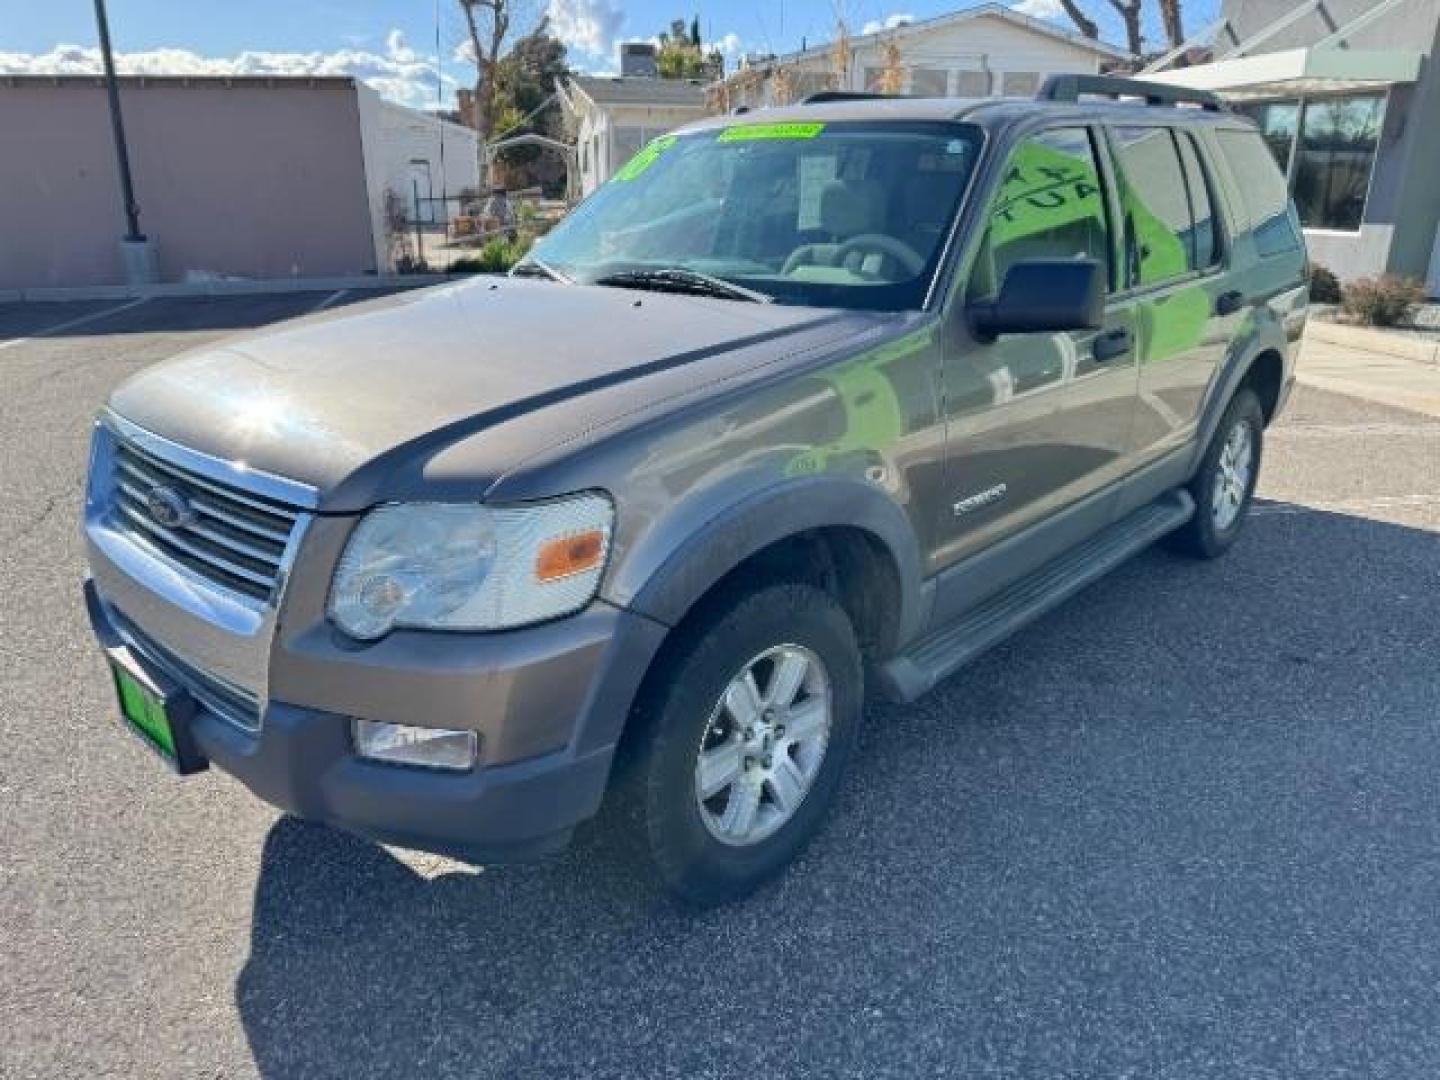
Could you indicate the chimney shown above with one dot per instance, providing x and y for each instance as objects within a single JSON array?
[{"x": 638, "y": 59}]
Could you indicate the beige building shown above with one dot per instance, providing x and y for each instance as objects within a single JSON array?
[
  {"x": 255, "y": 177},
  {"x": 984, "y": 51}
]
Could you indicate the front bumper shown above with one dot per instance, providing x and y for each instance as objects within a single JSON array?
[{"x": 301, "y": 759}]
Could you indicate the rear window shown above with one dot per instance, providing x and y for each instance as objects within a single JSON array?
[{"x": 1262, "y": 190}]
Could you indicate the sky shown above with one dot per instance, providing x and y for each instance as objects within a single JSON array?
[{"x": 392, "y": 44}]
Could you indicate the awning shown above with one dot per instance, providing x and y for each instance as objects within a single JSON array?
[{"x": 1298, "y": 71}]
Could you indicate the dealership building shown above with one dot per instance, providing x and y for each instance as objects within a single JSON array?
[
  {"x": 1348, "y": 97},
  {"x": 249, "y": 177}
]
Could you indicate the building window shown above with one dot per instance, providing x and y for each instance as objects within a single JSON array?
[
  {"x": 1335, "y": 158},
  {"x": 812, "y": 82},
  {"x": 972, "y": 84},
  {"x": 1020, "y": 84},
  {"x": 1278, "y": 120},
  {"x": 929, "y": 82}
]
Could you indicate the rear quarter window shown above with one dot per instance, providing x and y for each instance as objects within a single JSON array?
[{"x": 1262, "y": 190}]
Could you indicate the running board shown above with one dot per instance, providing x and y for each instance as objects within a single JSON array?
[{"x": 932, "y": 658}]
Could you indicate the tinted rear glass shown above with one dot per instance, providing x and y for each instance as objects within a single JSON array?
[{"x": 1262, "y": 190}]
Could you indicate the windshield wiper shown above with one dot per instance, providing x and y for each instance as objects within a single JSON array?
[
  {"x": 533, "y": 267},
  {"x": 679, "y": 279}
]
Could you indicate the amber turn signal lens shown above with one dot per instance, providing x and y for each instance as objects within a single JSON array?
[{"x": 567, "y": 555}]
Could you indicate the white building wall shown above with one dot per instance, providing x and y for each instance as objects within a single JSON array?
[
  {"x": 607, "y": 137},
  {"x": 978, "y": 57},
  {"x": 592, "y": 148},
  {"x": 401, "y": 145}
]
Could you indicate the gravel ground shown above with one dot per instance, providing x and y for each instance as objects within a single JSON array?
[{"x": 1186, "y": 826}]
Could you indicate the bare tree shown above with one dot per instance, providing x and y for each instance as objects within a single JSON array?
[
  {"x": 840, "y": 56},
  {"x": 1129, "y": 12},
  {"x": 782, "y": 86},
  {"x": 892, "y": 75},
  {"x": 1173, "y": 20},
  {"x": 1083, "y": 22},
  {"x": 487, "y": 22}
]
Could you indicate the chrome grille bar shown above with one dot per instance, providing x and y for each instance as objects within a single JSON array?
[{"x": 233, "y": 538}]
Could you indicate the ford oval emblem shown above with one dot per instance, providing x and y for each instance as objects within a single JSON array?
[{"x": 168, "y": 508}]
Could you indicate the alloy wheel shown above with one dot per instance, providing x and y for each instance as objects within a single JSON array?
[
  {"x": 764, "y": 745},
  {"x": 1233, "y": 473}
]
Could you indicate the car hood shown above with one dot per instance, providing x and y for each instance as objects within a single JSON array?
[{"x": 403, "y": 377}]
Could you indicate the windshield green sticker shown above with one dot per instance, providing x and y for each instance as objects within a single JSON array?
[
  {"x": 749, "y": 132},
  {"x": 646, "y": 157}
]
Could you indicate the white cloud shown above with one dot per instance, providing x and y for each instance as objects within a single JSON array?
[
  {"x": 587, "y": 26},
  {"x": 1040, "y": 9},
  {"x": 890, "y": 22},
  {"x": 399, "y": 73},
  {"x": 730, "y": 47}
]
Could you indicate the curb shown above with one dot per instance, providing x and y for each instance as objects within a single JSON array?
[
  {"x": 226, "y": 288},
  {"x": 1376, "y": 341}
]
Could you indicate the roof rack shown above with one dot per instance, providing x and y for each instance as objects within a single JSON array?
[
  {"x": 1071, "y": 87},
  {"x": 820, "y": 97}
]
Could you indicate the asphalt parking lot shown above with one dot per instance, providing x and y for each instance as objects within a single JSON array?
[{"x": 1187, "y": 826}]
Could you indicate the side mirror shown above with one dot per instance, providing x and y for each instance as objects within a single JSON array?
[{"x": 1040, "y": 295}]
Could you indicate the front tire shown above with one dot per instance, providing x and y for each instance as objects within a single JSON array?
[
  {"x": 1225, "y": 482},
  {"x": 749, "y": 736}
]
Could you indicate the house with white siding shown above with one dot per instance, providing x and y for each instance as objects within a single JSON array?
[
  {"x": 986, "y": 51},
  {"x": 614, "y": 116}
]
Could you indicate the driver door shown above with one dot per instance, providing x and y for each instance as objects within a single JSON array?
[{"x": 1035, "y": 423}]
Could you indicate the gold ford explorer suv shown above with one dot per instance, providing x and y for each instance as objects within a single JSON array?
[{"x": 803, "y": 405}]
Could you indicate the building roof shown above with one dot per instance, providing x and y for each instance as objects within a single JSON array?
[
  {"x": 629, "y": 90},
  {"x": 1295, "y": 71},
  {"x": 996, "y": 11},
  {"x": 178, "y": 80}
]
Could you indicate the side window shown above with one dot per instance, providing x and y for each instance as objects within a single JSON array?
[
  {"x": 1205, "y": 235},
  {"x": 1154, "y": 204},
  {"x": 1262, "y": 190},
  {"x": 1051, "y": 205}
]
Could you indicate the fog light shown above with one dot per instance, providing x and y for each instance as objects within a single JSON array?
[{"x": 402, "y": 744}]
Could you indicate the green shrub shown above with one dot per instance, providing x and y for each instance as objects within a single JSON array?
[
  {"x": 1324, "y": 286},
  {"x": 1387, "y": 300},
  {"x": 496, "y": 257}
]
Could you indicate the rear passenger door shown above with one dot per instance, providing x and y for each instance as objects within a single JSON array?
[
  {"x": 1035, "y": 422},
  {"x": 1174, "y": 256}
]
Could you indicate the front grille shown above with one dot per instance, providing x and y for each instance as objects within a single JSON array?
[
  {"x": 226, "y": 700},
  {"x": 234, "y": 538}
]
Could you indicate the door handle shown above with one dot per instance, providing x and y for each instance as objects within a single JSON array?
[
  {"x": 1227, "y": 303},
  {"x": 1112, "y": 344}
]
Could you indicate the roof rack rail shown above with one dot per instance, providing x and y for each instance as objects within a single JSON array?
[
  {"x": 1071, "y": 87},
  {"x": 820, "y": 97}
]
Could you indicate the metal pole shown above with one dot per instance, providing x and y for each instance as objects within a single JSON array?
[{"x": 117, "y": 123}]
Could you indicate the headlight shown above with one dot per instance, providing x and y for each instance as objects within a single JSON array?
[{"x": 442, "y": 566}]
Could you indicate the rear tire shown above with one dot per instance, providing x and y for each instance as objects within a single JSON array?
[
  {"x": 738, "y": 774},
  {"x": 1225, "y": 482}
]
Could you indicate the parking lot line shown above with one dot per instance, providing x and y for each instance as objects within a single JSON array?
[
  {"x": 323, "y": 304},
  {"x": 94, "y": 315}
]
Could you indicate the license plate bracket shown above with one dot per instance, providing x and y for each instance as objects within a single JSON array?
[{"x": 158, "y": 711}]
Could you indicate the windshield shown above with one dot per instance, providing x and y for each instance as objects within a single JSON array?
[{"x": 848, "y": 215}]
